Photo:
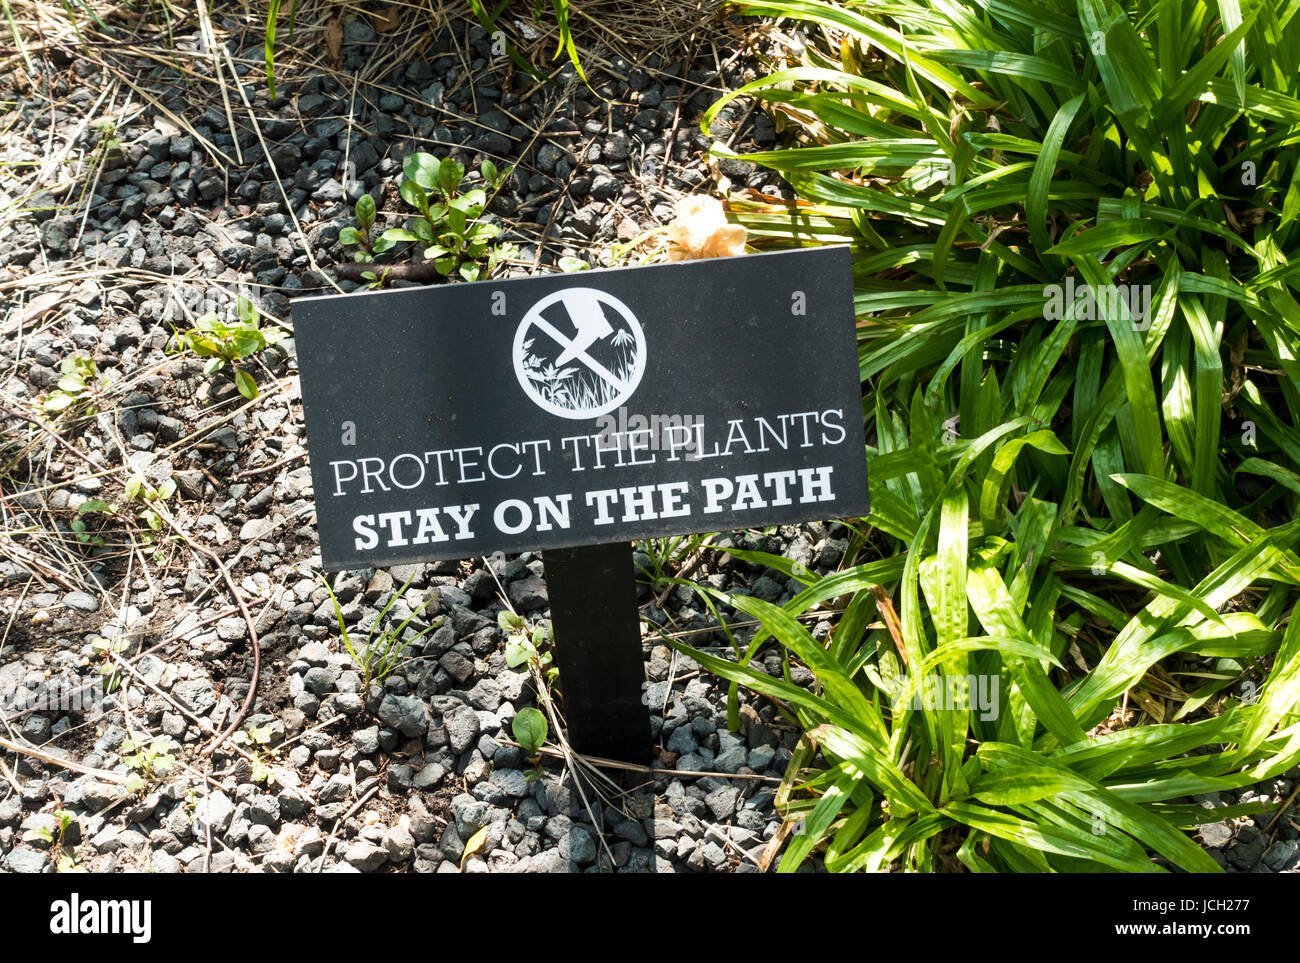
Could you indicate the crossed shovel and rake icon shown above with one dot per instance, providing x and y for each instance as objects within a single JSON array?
[{"x": 586, "y": 310}]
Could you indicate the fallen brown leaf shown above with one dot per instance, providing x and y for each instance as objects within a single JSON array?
[
  {"x": 334, "y": 43},
  {"x": 387, "y": 19}
]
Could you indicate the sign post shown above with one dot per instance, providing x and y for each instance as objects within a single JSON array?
[
  {"x": 598, "y": 649},
  {"x": 571, "y": 414}
]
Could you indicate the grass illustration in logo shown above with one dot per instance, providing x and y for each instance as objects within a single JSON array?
[{"x": 581, "y": 353}]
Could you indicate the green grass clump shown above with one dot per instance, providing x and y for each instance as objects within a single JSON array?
[
  {"x": 381, "y": 652},
  {"x": 1075, "y": 247},
  {"x": 488, "y": 18},
  {"x": 559, "y": 10}
]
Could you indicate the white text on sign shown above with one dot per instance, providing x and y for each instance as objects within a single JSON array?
[{"x": 544, "y": 513}]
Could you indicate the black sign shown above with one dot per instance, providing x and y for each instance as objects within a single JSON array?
[{"x": 576, "y": 409}]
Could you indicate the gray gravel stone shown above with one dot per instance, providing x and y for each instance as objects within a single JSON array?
[
  {"x": 214, "y": 810},
  {"x": 761, "y": 757},
  {"x": 349, "y": 703},
  {"x": 462, "y": 727},
  {"x": 457, "y": 666},
  {"x": 632, "y": 831},
  {"x": 162, "y": 862},
  {"x": 428, "y": 777},
  {"x": 24, "y": 859},
  {"x": 722, "y": 803},
  {"x": 1247, "y": 847},
  {"x": 338, "y": 788},
  {"x": 1282, "y": 855},
  {"x": 682, "y": 741},
  {"x": 359, "y": 30},
  {"x": 265, "y": 811},
  {"x": 310, "y": 842},
  {"x": 315, "y": 654},
  {"x": 81, "y": 601},
  {"x": 320, "y": 680},
  {"x": 366, "y": 740},
  {"x": 731, "y": 760},
  {"x": 408, "y": 715},
  {"x": 255, "y": 529},
  {"x": 470, "y": 815},
  {"x": 424, "y": 827},
  {"x": 10, "y": 811},
  {"x": 511, "y": 782},
  {"x": 36, "y": 729},
  {"x": 548, "y": 156},
  {"x": 1215, "y": 834},
  {"x": 196, "y": 695},
  {"x": 232, "y": 629},
  {"x": 107, "y": 840},
  {"x": 365, "y": 856},
  {"x": 528, "y": 593},
  {"x": 618, "y": 145},
  {"x": 579, "y": 846},
  {"x": 400, "y": 844},
  {"x": 713, "y": 854},
  {"x": 55, "y": 235},
  {"x": 486, "y": 695}
]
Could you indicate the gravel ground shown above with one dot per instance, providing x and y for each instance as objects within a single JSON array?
[
  {"x": 404, "y": 775},
  {"x": 335, "y": 779}
]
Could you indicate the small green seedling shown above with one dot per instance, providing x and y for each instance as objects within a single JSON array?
[
  {"x": 261, "y": 772},
  {"x": 360, "y": 235},
  {"x": 447, "y": 223},
  {"x": 258, "y": 739},
  {"x": 377, "y": 657},
  {"x": 523, "y": 648},
  {"x": 139, "y": 490},
  {"x": 109, "y": 145},
  {"x": 45, "y": 834},
  {"x": 256, "y": 736},
  {"x": 529, "y": 728},
  {"x": 80, "y": 389},
  {"x": 225, "y": 344},
  {"x": 65, "y": 859},
  {"x": 106, "y": 649},
  {"x": 78, "y": 525},
  {"x": 572, "y": 265},
  {"x": 148, "y": 762}
]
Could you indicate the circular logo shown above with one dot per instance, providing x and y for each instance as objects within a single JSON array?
[{"x": 579, "y": 353}]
